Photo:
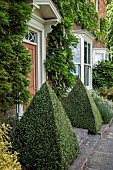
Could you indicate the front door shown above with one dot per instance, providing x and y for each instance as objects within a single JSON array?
[{"x": 32, "y": 76}]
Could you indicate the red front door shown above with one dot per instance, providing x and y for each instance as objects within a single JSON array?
[{"x": 32, "y": 77}]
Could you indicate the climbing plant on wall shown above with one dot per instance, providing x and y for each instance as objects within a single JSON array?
[
  {"x": 102, "y": 34},
  {"x": 59, "y": 63},
  {"x": 110, "y": 28},
  {"x": 14, "y": 58},
  {"x": 85, "y": 15}
]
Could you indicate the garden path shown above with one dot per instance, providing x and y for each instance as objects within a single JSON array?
[{"x": 96, "y": 151}]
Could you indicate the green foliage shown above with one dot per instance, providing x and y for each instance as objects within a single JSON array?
[
  {"x": 103, "y": 74},
  {"x": 106, "y": 93},
  {"x": 81, "y": 109},
  {"x": 44, "y": 136},
  {"x": 105, "y": 107},
  {"x": 59, "y": 62},
  {"x": 102, "y": 35},
  {"x": 85, "y": 15},
  {"x": 15, "y": 60},
  {"x": 8, "y": 160},
  {"x": 110, "y": 28}
]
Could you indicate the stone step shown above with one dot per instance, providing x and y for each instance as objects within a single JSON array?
[
  {"x": 87, "y": 143},
  {"x": 86, "y": 149},
  {"x": 81, "y": 134}
]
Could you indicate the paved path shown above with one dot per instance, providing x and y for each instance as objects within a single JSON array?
[
  {"x": 102, "y": 156},
  {"x": 96, "y": 151}
]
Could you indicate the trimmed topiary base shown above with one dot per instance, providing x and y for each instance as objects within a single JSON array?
[
  {"x": 81, "y": 108},
  {"x": 44, "y": 136}
]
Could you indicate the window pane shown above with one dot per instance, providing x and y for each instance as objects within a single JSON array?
[
  {"x": 78, "y": 70},
  {"x": 98, "y": 57},
  {"x": 31, "y": 36},
  {"x": 76, "y": 52},
  {"x": 86, "y": 75},
  {"x": 85, "y": 52},
  {"x": 89, "y": 53}
]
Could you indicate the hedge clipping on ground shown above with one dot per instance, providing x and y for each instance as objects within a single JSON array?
[
  {"x": 44, "y": 136},
  {"x": 81, "y": 108},
  {"x": 8, "y": 159}
]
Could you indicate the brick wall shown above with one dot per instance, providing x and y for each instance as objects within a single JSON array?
[
  {"x": 9, "y": 117},
  {"x": 102, "y": 6},
  {"x": 98, "y": 44}
]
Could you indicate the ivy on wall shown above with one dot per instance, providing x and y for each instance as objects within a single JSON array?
[
  {"x": 102, "y": 34},
  {"x": 59, "y": 63},
  {"x": 85, "y": 15},
  {"x": 110, "y": 28}
]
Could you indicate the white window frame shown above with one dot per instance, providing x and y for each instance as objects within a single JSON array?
[
  {"x": 96, "y": 4},
  {"x": 84, "y": 35},
  {"x": 103, "y": 51},
  {"x": 87, "y": 64}
]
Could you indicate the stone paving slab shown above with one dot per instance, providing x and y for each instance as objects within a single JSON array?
[
  {"x": 110, "y": 135},
  {"x": 78, "y": 163},
  {"x": 81, "y": 134},
  {"x": 96, "y": 151},
  {"x": 102, "y": 156},
  {"x": 86, "y": 149},
  {"x": 90, "y": 142},
  {"x": 105, "y": 146},
  {"x": 103, "y": 130},
  {"x": 100, "y": 161},
  {"x": 90, "y": 169}
]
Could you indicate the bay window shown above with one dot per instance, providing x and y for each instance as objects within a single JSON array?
[
  {"x": 83, "y": 56},
  {"x": 100, "y": 54}
]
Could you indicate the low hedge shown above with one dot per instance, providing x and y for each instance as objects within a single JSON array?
[
  {"x": 104, "y": 106},
  {"x": 81, "y": 108},
  {"x": 44, "y": 136}
]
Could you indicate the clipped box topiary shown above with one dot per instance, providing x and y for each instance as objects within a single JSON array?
[
  {"x": 81, "y": 109},
  {"x": 44, "y": 136}
]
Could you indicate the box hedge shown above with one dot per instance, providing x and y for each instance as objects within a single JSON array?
[
  {"x": 44, "y": 136},
  {"x": 81, "y": 109}
]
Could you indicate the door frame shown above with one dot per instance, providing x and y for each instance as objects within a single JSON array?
[{"x": 38, "y": 27}]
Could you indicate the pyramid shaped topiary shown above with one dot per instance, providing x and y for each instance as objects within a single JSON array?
[
  {"x": 81, "y": 108},
  {"x": 44, "y": 136}
]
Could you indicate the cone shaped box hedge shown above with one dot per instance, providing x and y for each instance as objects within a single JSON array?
[
  {"x": 81, "y": 108},
  {"x": 44, "y": 136}
]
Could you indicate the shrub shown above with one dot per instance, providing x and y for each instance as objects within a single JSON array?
[
  {"x": 8, "y": 160},
  {"x": 105, "y": 107},
  {"x": 81, "y": 108},
  {"x": 103, "y": 74},
  {"x": 44, "y": 136},
  {"x": 106, "y": 93},
  {"x": 15, "y": 62}
]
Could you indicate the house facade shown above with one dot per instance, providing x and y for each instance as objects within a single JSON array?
[
  {"x": 100, "y": 52},
  {"x": 44, "y": 15},
  {"x": 89, "y": 51}
]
